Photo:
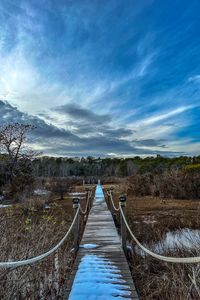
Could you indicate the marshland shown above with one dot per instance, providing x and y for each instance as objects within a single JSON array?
[{"x": 162, "y": 210}]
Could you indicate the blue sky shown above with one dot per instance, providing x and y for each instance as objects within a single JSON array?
[{"x": 108, "y": 78}]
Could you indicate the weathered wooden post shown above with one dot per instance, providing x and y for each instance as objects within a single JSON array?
[
  {"x": 76, "y": 202},
  {"x": 90, "y": 200},
  {"x": 87, "y": 195},
  {"x": 111, "y": 189},
  {"x": 91, "y": 197},
  {"x": 122, "y": 203},
  {"x": 107, "y": 197}
]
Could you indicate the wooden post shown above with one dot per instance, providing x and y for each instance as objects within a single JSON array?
[
  {"x": 111, "y": 189},
  {"x": 90, "y": 200},
  {"x": 76, "y": 202},
  {"x": 122, "y": 203},
  {"x": 87, "y": 195},
  {"x": 108, "y": 198}
]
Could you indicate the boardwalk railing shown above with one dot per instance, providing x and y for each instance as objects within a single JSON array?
[
  {"x": 74, "y": 226},
  {"x": 85, "y": 212},
  {"x": 125, "y": 226}
]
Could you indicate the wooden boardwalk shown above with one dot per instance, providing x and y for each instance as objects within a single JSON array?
[{"x": 101, "y": 271}]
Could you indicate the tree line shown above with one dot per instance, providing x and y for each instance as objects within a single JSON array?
[
  {"x": 19, "y": 165},
  {"x": 116, "y": 167}
]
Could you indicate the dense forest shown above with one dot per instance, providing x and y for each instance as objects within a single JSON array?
[
  {"x": 99, "y": 167},
  {"x": 118, "y": 167}
]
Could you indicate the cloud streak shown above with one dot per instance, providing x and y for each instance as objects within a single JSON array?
[
  {"x": 94, "y": 74},
  {"x": 57, "y": 141}
]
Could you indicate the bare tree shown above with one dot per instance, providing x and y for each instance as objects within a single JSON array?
[
  {"x": 61, "y": 186},
  {"x": 13, "y": 138}
]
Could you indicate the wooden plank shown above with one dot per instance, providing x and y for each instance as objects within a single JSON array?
[{"x": 101, "y": 270}]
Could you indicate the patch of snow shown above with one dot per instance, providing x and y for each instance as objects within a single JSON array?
[
  {"x": 46, "y": 206},
  {"x": 98, "y": 278},
  {"x": 5, "y": 205},
  {"x": 88, "y": 246},
  {"x": 76, "y": 194},
  {"x": 99, "y": 195},
  {"x": 40, "y": 192},
  {"x": 149, "y": 221},
  {"x": 183, "y": 239}
]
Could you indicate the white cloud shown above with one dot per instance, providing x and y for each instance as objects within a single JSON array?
[
  {"x": 186, "y": 146},
  {"x": 195, "y": 78},
  {"x": 161, "y": 117},
  {"x": 155, "y": 126},
  {"x": 145, "y": 64}
]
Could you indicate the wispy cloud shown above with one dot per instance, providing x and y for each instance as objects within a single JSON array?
[
  {"x": 88, "y": 71},
  {"x": 163, "y": 116},
  {"x": 195, "y": 78},
  {"x": 58, "y": 141}
]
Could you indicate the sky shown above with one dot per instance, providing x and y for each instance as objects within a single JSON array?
[{"x": 102, "y": 78}]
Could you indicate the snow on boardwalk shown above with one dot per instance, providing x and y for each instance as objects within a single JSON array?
[{"x": 101, "y": 271}]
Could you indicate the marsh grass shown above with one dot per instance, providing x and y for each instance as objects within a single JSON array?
[
  {"x": 27, "y": 231},
  {"x": 151, "y": 219},
  {"x": 166, "y": 281}
]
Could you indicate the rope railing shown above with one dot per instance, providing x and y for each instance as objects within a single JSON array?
[
  {"x": 183, "y": 260},
  {"x": 89, "y": 195},
  {"x": 112, "y": 202},
  {"x": 14, "y": 264},
  {"x": 75, "y": 223},
  {"x": 125, "y": 226}
]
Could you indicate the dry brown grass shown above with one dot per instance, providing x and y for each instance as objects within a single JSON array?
[
  {"x": 165, "y": 281},
  {"x": 30, "y": 231},
  {"x": 150, "y": 218}
]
